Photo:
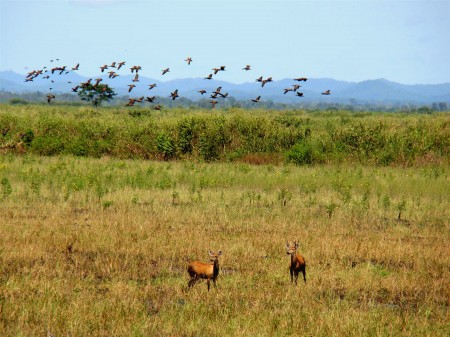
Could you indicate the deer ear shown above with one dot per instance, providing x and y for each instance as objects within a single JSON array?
[
  {"x": 219, "y": 252},
  {"x": 296, "y": 244},
  {"x": 287, "y": 244},
  {"x": 211, "y": 253}
]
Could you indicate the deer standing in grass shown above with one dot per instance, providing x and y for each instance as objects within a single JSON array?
[
  {"x": 298, "y": 263},
  {"x": 200, "y": 270}
]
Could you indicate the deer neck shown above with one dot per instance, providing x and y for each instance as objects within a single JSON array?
[
  {"x": 216, "y": 268},
  {"x": 293, "y": 257}
]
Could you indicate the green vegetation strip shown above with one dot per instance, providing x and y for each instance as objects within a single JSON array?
[{"x": 256, "y": 136}]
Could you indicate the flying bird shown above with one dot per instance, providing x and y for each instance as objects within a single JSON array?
[
  {"x": 136, "y": 78},
  {"x": 113, "y": 65},
  {"x": 165, "y": 71},
  {"x": 327, "y": 92},
  {"x": 103, "y": 67},
  {"x": 202, "y": 91},
  {"x": 50, "y": 97},
  {"x": 300, "y": 79},
  {"x": 247, "y": 67},
  {"x": 131, "y": 102},
  {"x": 120, "y": 64},
  {"x": 150, "y": 99},
  {"x": 97, "y": 81},
  {"x": 174, "y": 94},
  {"x": 158, "y": 107},
  {"x": 189, "y": 60},
  {"x": 151, "y": 86},
  {"x": 209, "y": 77},
  {"x": 75, "y": 89},
  {"x": 259, "y": 79},
  {"x": 256, "y": 100},
  {"x": 287, "y": 90},
  {"x": 76, "y": 67},
  {"x": 213, "y": 103},
  {"x": 295, "y": 87},
  {"x": 131, "y": 87},
  {"x": 299, "y": 94}
]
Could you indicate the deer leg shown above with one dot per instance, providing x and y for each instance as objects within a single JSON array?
[
  {"x": 304, "y": 273},
  {"x": 208, "y": 283},
  {"x": 292, "y": 274},
  {"x": 296, "y": 276},
  {"x": 214, "y": 282},
  {"x": 192, "y": 281}
]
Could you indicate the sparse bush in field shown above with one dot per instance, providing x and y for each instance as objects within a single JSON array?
[
  {"x": 284, "y": 195},
  {"x": 6, "y": 188},
  {"x": 302, "y": 153}
]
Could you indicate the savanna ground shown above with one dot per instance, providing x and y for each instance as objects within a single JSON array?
[{"x": 99, "y": 247}]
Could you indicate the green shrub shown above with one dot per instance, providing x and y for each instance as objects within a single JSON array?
[
  {"x": 302, "y": 153},
  {"x": 165, "y": 145}
]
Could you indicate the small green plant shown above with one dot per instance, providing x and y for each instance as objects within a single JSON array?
[
  {"x": 284, "y": 195},
  {"x": 6, "y": 188},
  {"x": 330, "y": 208},
  {"x": 401, "y": 206},
  {"x": 107, "y": 203}
]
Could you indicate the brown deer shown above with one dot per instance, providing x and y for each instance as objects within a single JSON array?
[
  {"x": 200, "y": 270},
  {"x": 298, "y": 263}
]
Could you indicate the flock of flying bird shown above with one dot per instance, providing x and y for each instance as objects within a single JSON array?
[{"x": 115, "y": 66}]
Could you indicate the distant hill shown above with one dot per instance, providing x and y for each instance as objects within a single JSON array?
[{"x": 372, "y": 91}]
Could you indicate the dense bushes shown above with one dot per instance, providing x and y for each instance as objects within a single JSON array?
[{"x": 302, "y": 138}]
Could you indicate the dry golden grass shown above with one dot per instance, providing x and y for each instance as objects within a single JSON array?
[{"x": 99, "y": 247}]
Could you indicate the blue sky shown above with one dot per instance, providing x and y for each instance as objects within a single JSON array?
[{"x": 402, "y": 41}]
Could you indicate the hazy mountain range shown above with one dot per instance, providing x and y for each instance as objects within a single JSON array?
[{"x": 370, "y": 91}]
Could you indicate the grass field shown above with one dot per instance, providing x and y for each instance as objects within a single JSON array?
[{"x": 99, "y": 247}]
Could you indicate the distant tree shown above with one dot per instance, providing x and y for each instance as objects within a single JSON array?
[
  {"x": 96, "y": 93},
  {"x": 442, "y": 106}
]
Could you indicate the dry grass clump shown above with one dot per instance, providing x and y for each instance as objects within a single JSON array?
[{"x": 99, "y": 247}]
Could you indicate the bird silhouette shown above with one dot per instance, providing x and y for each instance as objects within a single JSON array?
[
  {"x": 247, "y": 67},
  {"x": 216, "y": 70},
  {"x": 202, "y": 91},
  {"x": 300, "y": 79},
  {"x": 214, "y": 95},
  {"x": 136, "y": 78},
  {"x": 76, "y": 67},
  {"x": 103, "y": 67},
  {"x": 97, "y": 81},
  {"x": 327, "y": 92},
  {"x": 225, "y": 95},
  {"x": 295, "y": 87},
  {"x": 140, "y": 99},
  {"x": 135, "y": 68},
  {"x": 213, "y": 103},
  {"x": 131, "y": 102},
  {"x": 256, "y": 100},
  {"x": 158, "y": 107},
  {"x": 174, "y": 94},
  {"x": 189, "y": 60},
  {"x": 259, "y": 79},
  {"x": 150, "y": 99},
  {"x": 75, "y": 89},
  {"x": 299, "y": 94},
  {"x": 50, "y": 97},
  {"x": 164, "y": 71},
  {"x": 287, "y": 90},
  {"x": 120, "y": 64},
  {"x": 113, "y": 65},
  {"x": 151, "y": 86},
  {"x": 131, "y": 87},
  {"x": 217, "y": 90},
  {"x": 209, "y": 77}
]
